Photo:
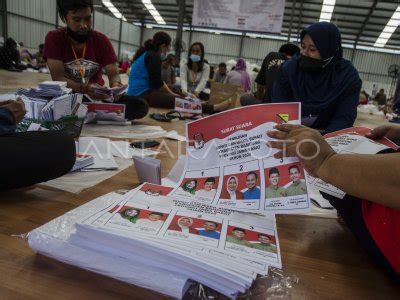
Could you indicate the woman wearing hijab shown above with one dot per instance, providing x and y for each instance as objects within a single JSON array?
[
  {"x": 327, "y": 85},
  {"x": 239, "y": 75},
  {"x": 184, "y": 225},
  {"x": 231, "y": 191}
]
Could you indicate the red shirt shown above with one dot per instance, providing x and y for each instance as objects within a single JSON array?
[
  {"x": 99, "y": 53},
  {"x": 383, "y": 224}
]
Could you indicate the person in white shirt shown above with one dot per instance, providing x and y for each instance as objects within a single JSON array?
[
  {"x": 153, "y": 221},
  {"x": 208, "y": 191},
  {"x": 195, "y": 73}
]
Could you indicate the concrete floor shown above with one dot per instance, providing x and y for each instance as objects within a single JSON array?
[{"x": 10, "y": 82}]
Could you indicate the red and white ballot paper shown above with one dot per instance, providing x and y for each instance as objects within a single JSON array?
[
  {"x": 229, "y": 164},
  {"x": 350, "y": 141}
]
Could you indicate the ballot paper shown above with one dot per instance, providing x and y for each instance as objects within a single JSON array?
[
  {"x": 52, "y": 239},
  {"x": 100, "y": 150},
  {"x": 230, "y": 165},
  {"x": 47, "y": 89},
  {"x": 148, "y": 169},
  {"x": 82, "y": 161},
  {"x": 350, "y": 141},
  {"x": 220, "y": 248},
  {"x": 188, "y": 105},
  {"x": 33, "y": 106}
]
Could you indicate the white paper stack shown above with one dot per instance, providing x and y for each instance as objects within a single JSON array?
[
  {"x": 222, "y": 249},
  {"x": 47, "y": 89},
  {"x": 82, "y": 161},
  {"x": 100, "y": 149},
  {"x": 52, "y": 239}
]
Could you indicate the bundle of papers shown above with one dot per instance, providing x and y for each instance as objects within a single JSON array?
[
  {"x": 53, "y": 240},
  {"x": 188, "y": 105},
  {"x": 222, "y": 249},
  {"x": 82, "y": 161},
  {"x": 47, "y": 89},
  {"x": 63, "y": 106},
  {"x": 106, "y": 113},
  {"x": 148, "y": 169},
  {"x": 109, "y": 92},
  {"x": 100, "y": 150}
]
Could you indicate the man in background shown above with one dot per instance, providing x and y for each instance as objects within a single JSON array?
[
  {"x": 268, "y": 73},
  {"x": 221, "y": 73}
]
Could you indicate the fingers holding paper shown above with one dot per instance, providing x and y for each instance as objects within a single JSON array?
[{"x": 305, "y": 143}]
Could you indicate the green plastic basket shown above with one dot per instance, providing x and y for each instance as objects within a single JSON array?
[{"x": 70, "y": 125}]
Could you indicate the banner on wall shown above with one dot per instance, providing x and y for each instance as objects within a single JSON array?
[{"x": 255, "y": 15}]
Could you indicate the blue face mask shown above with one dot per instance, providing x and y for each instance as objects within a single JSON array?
[
  {"x": 195, "y": 58},
  {"x": 163, "y": 56}
]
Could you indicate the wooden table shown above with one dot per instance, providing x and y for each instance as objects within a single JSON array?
[{"x": 323, "y": 254}]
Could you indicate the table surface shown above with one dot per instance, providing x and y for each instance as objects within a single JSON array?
[{"x": 321, "y": 253}]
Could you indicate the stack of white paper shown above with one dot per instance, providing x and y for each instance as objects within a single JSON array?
[
  {"x": 47, "y": 89},
  {"x": 52, "y": 239},
  {"x": 222, "y": 249},
  {"x": 100, "y": 150},
  {"x": 82, "y": 161}
]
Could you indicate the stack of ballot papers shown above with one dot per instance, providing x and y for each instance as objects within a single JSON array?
[
  {"x": 53, "y": 240},
  {"x": 101, "y": 151},
  {"x": 47, "y": 89},
  {"x": 110, "y": 93},
  {"x": 148, "y": 169},
  {"x": 63, "y": 106},
  {"x": 106, "y": 113},
  {"x": 222, "y": 249},
  {"x": 82, "y": 161}
]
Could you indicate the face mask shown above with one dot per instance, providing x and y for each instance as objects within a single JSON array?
[
  {"x": 195, "y": 58},
  {"x": 80, "y": 38},
  {"x": 163, "y": 56},
  {"x": 309, "y": 64}
]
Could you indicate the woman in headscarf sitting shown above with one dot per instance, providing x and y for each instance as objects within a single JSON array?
[
  {"x": 327, "y": 85},
  {"x": 239, "y": 75}
]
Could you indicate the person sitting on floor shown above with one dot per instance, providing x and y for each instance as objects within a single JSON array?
[
  {"x": 77, "y": 54},
  {"x": 327, "y": 85},
  {"x": 266, "y": 76},
  {"x": 168, "y": 71},
  {"x": 9, "y": 57},
  {"x": 30, "y": 157},
  {"x": 372, "y": 212},
  {"x": 239, "y": 76},
  {"x": 195, "y": 73},
  {"x": 40, "y": 60},
  {"x": 145, "y": 77},
  {"x": 221, "y": 73}
]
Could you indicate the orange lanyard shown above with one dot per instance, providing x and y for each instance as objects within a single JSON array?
[{"x": 81, "y": 68}]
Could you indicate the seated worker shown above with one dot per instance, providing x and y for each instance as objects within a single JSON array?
[
  {"x": 145, "y": 77},
  {"x": 380, "y": 97},
  {"x": 266, "y": 76},
  {"x": 195, "y": 73},
  {"x": 327, "y": 85},
  {"x": 220, "y": 74},
  {"x": 77, "y": 54},
  {"x": 10, "y": 59},
  {"x": 30, "y": 157},
  {"x": 40, "y": 60},
  {"x": 239, "y": 76},
  {"x": 168, "y": 71},
  {"x": 373, "y": 211}
]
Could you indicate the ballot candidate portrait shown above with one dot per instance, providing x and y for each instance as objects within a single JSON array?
[
  {"x": 198, "y": 140},
  {"x": 265, "y": 243},
  {"x": 189, "y": 186},
  {"x": 238, "y": 236},
  {"x": 231, "y": 190},
  {"x": 130, "y": 214},
  {"x": 209, "y": 188},
  {"x": 273, "y": 189},
  {"x": 253, "y": 191},
  {"x": 153, "y": 220},
  {"x": 210, "y": 230},
  {"x": 184, "y": 225},
  {"x": 298, "y": 185}
]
